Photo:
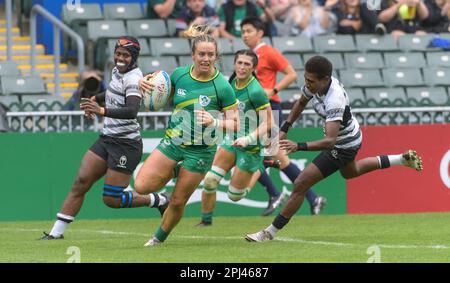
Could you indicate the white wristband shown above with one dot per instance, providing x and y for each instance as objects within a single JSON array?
[{"x": 216, "y": 123}]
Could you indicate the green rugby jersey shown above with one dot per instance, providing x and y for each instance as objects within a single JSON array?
[
  {"x": 252, "y": 98},
  {"x": 213, "y": 95}
]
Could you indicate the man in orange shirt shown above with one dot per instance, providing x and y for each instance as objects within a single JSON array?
[{"x": 271, "y": 61}]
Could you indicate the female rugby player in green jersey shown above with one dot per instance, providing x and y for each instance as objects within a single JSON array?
[
  {"x": 198, "y": 92},
  {"x": 243, "y": 149}
]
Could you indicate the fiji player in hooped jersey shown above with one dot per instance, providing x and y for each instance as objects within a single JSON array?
[
  {"x": 338, "y": 148},
  {"x": 118, "y": 150},
  {"x": 198, "y": 91}
]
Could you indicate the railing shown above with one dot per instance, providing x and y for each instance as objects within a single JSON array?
[
  {"x": 58, "y": 25},
  {"x": 74, "y": 121}
]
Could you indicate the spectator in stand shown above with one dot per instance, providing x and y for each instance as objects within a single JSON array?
[
  {"x": 280, "y": 8},
  {"x": 438, "y": 19},
  {"x": 164, "y": 9},
  {"x": 309, "y": 19},
  {"x": 233, "y": 12},
  {"x": 197, "y": 12},
  {"x": 403, "y": 16},
  {"x": 354, "y": 17}
]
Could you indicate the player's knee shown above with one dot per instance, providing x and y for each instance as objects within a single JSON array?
[
  {"x": 80, "y": 185},
  {"x": 300, "y": 185},
  {"x": 178, "y": 202},
  {"x": 142, "y": 187},
  {"x": 236, "y": 194},
  {"x": 211, "y": 182},
  {"x": 111, "y": 202},
  {"x": 117, "y": 197}
]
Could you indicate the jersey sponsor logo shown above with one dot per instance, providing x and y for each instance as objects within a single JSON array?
[
  {"x": 181, "y": 92},
  {"x": 241, "y": 105},
  {"x": 122, "y": 162},
  {"x": 204, "y": 100}
]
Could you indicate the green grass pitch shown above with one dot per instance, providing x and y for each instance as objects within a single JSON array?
[{"x": 344, "y": 238}]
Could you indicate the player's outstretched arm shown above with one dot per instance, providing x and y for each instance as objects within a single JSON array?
[{"x": 328, "y": 142}]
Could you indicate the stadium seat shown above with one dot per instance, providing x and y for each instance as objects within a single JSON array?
[
  {"x": 356, "y": 97},
  {"x": 226, "y": 64},
  {"x": 147, "y": 28},
  {"x": 77, "y": 19},
  {"x": 82, "y": 13},
  {"x": 105, "y": 29},
  {"x": 9, "y": 68},
  {"x": 123, "y": 11},
  {"x": 412, "y": 42},
  {"x": 437, "y": 76},
  {"x": 335, "y": 59},
  {"x": 438, "y": 59},
  {"x": 299, "y": 44},
  {"x": 22, "y": 85},
  {"x": 427, "y": 96},
  {"x": 150, "y": 64},
  {"x": 99, "y": 32},
  {"x": 185, "y": 60},
  {"x": 288, "y": 98},
  {"x": 171, "y": 27},
  {"x": 225, "y": 46},
  {"x": 402, "y": 77},
  {"x": 334, "y": 43},
  {"x": 361, "y": 78},
  {"x": 364, "y": 60},
  {"x": 368, "y": 43},
  {"x": 238, "y": 44},
  {"x": 386, "y": 97},
  {"x": 405, "y": 60},
  {"x": 295, "y": 60},
  {"x": 170, "y": 46}
]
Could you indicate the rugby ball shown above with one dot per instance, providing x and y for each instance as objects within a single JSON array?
[{"x": 157, "y": 98}]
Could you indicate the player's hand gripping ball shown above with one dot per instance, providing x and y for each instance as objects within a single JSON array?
[{"x": 156, "y": 98}]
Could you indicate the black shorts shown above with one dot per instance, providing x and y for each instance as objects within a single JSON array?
[
  {"x": 121, "y": 155},
  {"x": 277, "y": 113},
  {"x": 329, "y": 161}
]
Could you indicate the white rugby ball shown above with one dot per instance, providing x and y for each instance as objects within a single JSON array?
[{"x": 157, "y": 98}]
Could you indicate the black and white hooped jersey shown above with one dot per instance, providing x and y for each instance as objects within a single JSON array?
[
  {"x": 335, "y": 106},
  {"x": 121, "y": 87}
]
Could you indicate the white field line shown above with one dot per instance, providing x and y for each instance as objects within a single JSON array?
[{"x": 282, "y": 239}]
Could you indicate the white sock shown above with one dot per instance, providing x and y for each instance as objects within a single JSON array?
[
  {"x": 272, "y": 230},
  {"x": 61, "y": 224},
  {"x": 152, "y": 200},
  {"x": 162, "y": 199},
  {"x": 395, "y": 159}
]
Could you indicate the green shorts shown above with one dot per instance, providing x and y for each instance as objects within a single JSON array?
[
  {"x": 246, "y": 161},
  {"x": 193, "y": 158}
]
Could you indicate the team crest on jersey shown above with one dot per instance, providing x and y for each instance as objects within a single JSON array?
[
  {"x": 181, "y": 92},
  {"x": 204, "y": 100},
  {"x": 201, "y": 163},
  {"x": 241, "y": 105}
]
